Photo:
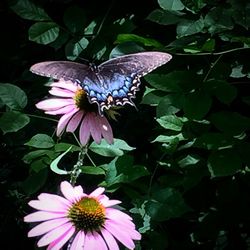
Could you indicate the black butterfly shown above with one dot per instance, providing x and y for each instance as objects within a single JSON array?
[{"x": 112, "y": 83}]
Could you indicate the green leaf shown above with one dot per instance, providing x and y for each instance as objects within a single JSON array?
[
  {"x": 237, "y": 72},
  {"x": 164, "y": 17},
  {"x": 40, "y": 141},
  {"x": 168, "y": 138},
  {"x": 38, "y": 165},
  {"x": 35, "y": 182},
  {"x": 175, "y": 81},
  {"x": 59, "y": 147},
  {"x": 212, "y": 140},
  {"x": 167, "y": 203},
  {"x": 219, "y": 19},
  {"x": 197, "y": 104},
  {"x": 188, "y": 160},
  {"x": 208, "y": 46},
  {"x": 121, "y": 38},
  {"x": 74, "y": 19},
  {"x": 12, "y": 96},
  {"x": 74, "y": 48},
  {"x": 230, "y": 122},
  {"x": 13, "y": 121},
  {"x": 224, "y": 162},
  {"x": 171, "y": 5},
  {"x": 190, "y": 27},
  {"x": 29, "y": 157},
  {"x": 152, "y": 97},
  {"x": 171, "y": 122},
  {"x": 28, "y": 10},
  {"x": 92, "y": 170},
  {"x": 54, "y": 164},
  {"x": 43, "y": 32},
  {"x": 115, "y": 149}
]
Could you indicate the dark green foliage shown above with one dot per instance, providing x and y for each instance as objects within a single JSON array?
[{"x": 181, "y": 165}]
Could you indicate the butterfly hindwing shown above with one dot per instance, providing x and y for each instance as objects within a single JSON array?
[{"x": 113, "y": 82}]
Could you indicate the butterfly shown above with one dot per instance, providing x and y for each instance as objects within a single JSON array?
[{"x": 112, "y": 83}]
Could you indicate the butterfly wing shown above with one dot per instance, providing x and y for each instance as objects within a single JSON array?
[
  {"x": 120, "y": 77},
  {"x": 76, "y": 72},
  {"x": 114, "y": 82}
]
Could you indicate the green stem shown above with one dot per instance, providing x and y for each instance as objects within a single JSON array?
[
  {"x": 211, "y": 53},
  {"x": 211, "y": 68}
]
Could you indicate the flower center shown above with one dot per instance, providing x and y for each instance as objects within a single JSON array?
[
  {"x": 82, "y": 102},
  {"x": 87, "y": 214}
]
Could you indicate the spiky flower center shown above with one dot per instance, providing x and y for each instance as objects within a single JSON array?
[
  {"x": 87, "y": 214},
  {"x": 82, "y": 102}
]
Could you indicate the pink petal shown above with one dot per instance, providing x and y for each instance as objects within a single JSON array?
[
  {"x": 71, "y": 193},
  {"x": 42, "y": 216},
  {"x": 97, "y": 192},
  {"x": 78, "y": 242},
  {"x": 54, "y": 198},
  {"x": 94, "y": 241},
  {"x": 47, "y": 226},
  {"x": 54, "y": 234},
  {"x": 95, "y": 128},
  {"x": 84, "y": 131},
  {"x": 107, "y": 202},
  {"x": 65, "y": 85},
  {"x": 106, "y": 129},
  {"x": 54, "y": 103},
  {"x": 50, "y": 205},
  {"x": 75, "y": 121},
  {"x": 110, "y": 240},
  {"x": 120, "y": 235},
  {"x": 63, "y": 121},
  {"x": 61, "y": 92},
  {"x": 60, "y": 111},
  {"x": 115, "y": 213},
  {"x": 58, "y": 243},
  {"x": 128, "y": 228}
]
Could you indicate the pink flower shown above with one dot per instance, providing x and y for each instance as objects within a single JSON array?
[
  {"x": 87, "y": 221},
  {"x": 71, "y": 102}
]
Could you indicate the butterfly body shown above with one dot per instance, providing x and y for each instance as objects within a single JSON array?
[{"x": 112, "y": 83}]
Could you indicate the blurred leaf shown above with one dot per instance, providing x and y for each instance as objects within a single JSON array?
[
  {"x": 224, "y": 162},
  {"x": 171, "y": 122},
  {"x": 12, "y": 96},
  {"x": 167, "y": 203},
  {"x": 208, "y": 46},
  {"x": 28, "y": 10},
  {"x": 40, "y": 141},
  {"x": 29, "y": 157},
  {"x": 121, "y": 38},
  {"x": 165, "y": 17},
  {"x": 237, "y": 72},
  {"x": 168, "y": 138},
  {"x": 175, "y": 81},
  {"x": 74, "y": 19},
  {"x": 43, "y": 32},
  {"x": 35, "y": 182},
  {"x": 59, "y": 147},
  {"x": 188, "y": 160},
  {"x": 54, "y": 164},
  {"x": 13, "y": 121},
  {"x": 74, "y": 49},
  {"x": 218, "y": 19},
  {"x": 125, "y": 48},
  {"x": 38, "y": 165},
  {"x": 190, "y": 27},
  {"x": 212, "y": 140},
  {"x": 197, "y": 104},
  {"x": 230, "y": 122},
  {"x": 110, "y": 150},
  {"x": 152, "y": 96},
  {"x": 89, "y": 30},
  {"x": 171, "y": 4},
  {"x": 92, "y": 170},
  {"x": 194, "y": 6}
]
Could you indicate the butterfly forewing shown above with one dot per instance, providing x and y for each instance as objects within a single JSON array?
[{"x": 66, "y": 70}]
